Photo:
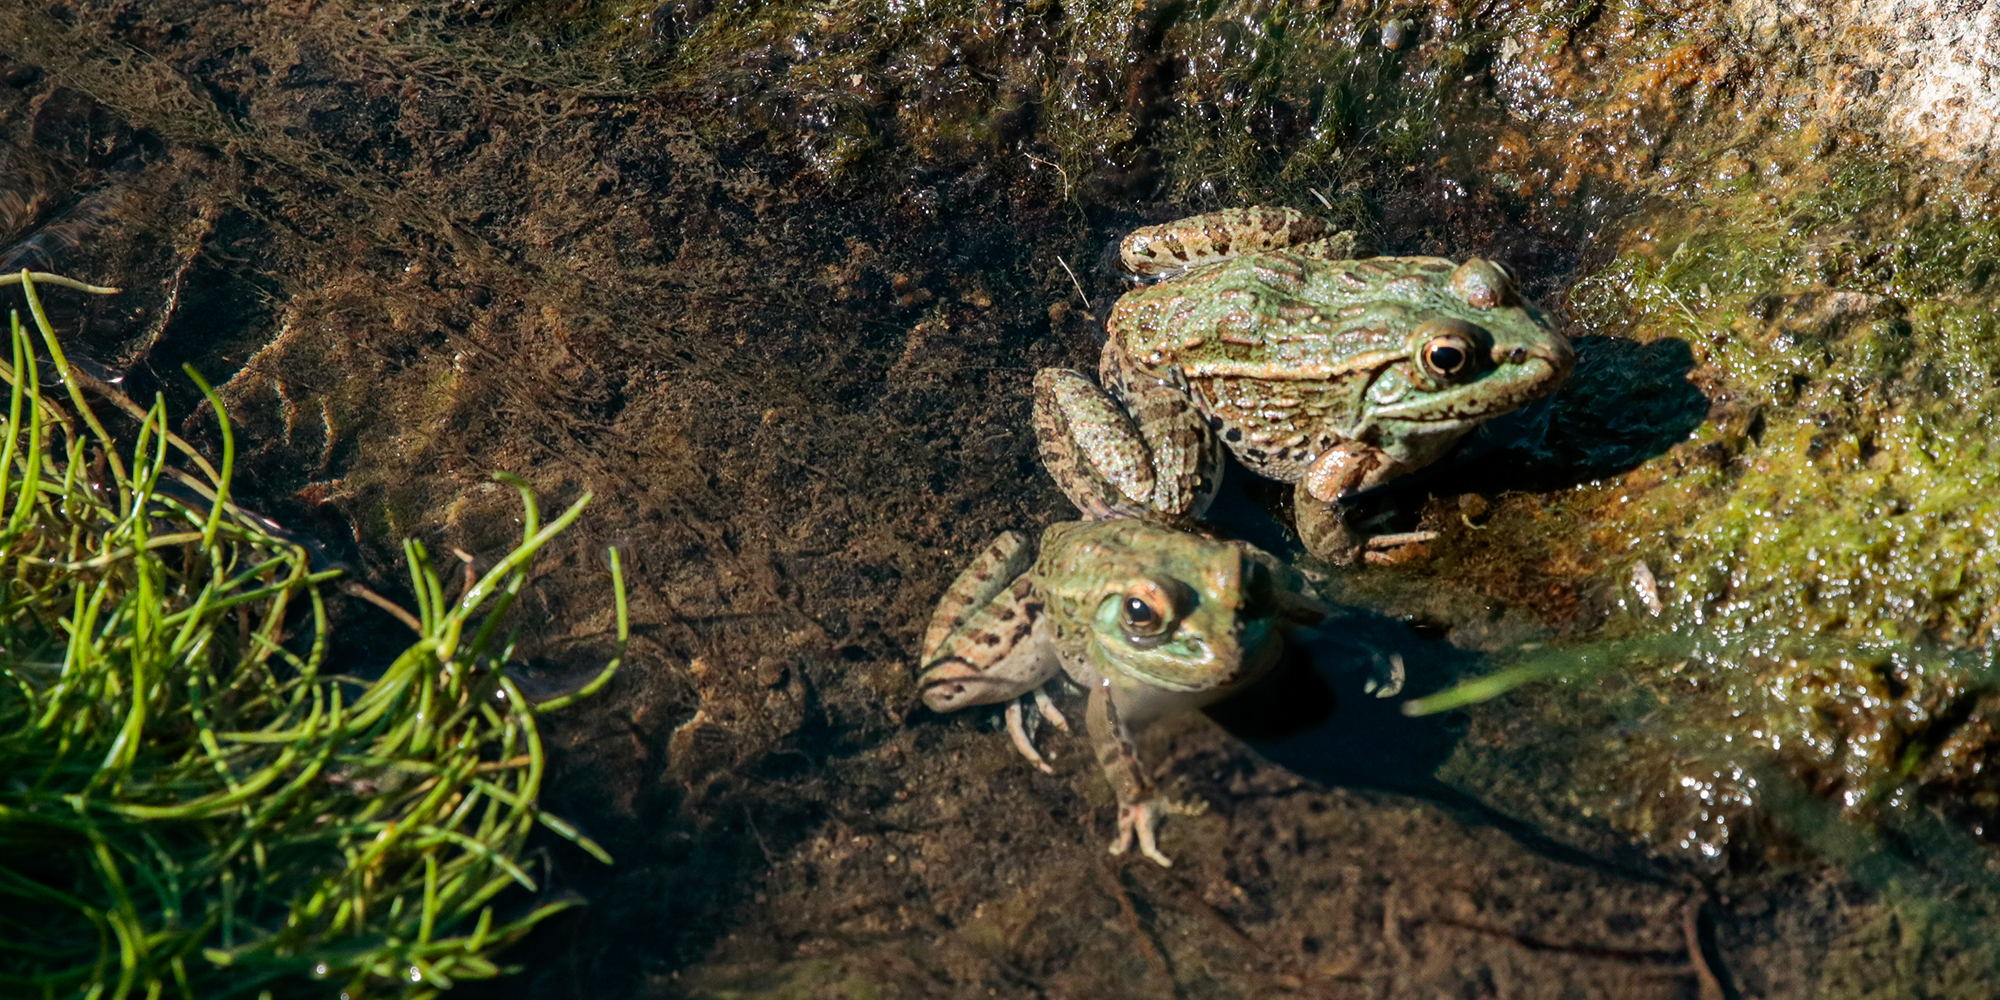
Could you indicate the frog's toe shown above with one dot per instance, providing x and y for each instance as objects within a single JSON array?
[
  {"x": 1142, "y": 819},
  {"x": 1393, "y": 549},
  {"x": 1049, "y": 710},
  {"x": 1019, "y": 733},
  {"x": 1386, "y": 678}
]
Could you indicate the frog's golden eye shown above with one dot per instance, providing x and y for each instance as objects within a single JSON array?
[
  {"x": 1447, "y": 355},
  {"x": 1146, "y": 611}
]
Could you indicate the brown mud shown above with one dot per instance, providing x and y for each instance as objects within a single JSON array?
[{"x": 771, "y": 284}]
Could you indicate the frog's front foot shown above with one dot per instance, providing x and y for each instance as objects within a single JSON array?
[
  {"x": 1142, "y": 820},
  {"x": 1017, "y": 729},
  {"x": 1324, "y": 531}
]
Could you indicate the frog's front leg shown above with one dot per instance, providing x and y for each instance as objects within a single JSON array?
[
  {"x": 1150, "y": 455},
  {"x": 1339, "y": 472},
  {"x": 1342, "y": 471},
  {"x": 1140, "y": 808}
]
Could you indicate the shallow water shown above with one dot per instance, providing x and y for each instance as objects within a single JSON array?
[{"x": 773, "y": 286}]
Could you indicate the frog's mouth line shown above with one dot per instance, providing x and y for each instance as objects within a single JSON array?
[{"x": 1502, "y": 391}]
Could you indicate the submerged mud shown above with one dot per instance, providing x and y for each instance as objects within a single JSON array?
[{"x": 772, "y": 283}]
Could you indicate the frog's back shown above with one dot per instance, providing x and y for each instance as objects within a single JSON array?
[{"x": 1278, "y": 349}]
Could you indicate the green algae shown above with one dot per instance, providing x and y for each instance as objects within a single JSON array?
[{"x": 1824, "y": 547}]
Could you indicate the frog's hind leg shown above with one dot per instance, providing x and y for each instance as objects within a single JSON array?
[
  {"x": 1343, "y": 245},
  {"x": 1138, "y": 450},
  {"x": 1091, "y": 447},
  {"x": 1161, "y": 250},
  {"x": 995, "y": 568},
  {"x": 984, "y": 644}
]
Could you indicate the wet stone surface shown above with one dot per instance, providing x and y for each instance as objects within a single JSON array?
[{"x": 772, "y": 285}]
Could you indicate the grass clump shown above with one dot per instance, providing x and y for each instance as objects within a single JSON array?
[{"x": 195, "y": 802}]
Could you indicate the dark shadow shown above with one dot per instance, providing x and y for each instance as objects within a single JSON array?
[
  {"x": 1313, "y": 717},
  {"x": 1625, "y": 402}
]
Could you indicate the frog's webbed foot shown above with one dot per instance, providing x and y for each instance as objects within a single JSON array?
[
  {"x": 1017, "y": 728},
  {"x": 1386, "y": 677},
  {"x": 1388, "y": 550},
  {"x": 1142, "y": 820}
]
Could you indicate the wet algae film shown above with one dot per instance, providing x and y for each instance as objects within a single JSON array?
[{"x": 772, "y": 283}]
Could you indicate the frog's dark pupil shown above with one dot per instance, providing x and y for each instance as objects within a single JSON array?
[
  {"x": 1446, "y": 358},
  {"x": 1138, "y": 612}
]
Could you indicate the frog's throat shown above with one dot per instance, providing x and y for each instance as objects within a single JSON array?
[{"x": 1231, "y": 661}]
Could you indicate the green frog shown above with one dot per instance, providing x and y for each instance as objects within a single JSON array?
[
  {"x": 1263, "y": 336},
  {"x": 1147, "y": 619}
]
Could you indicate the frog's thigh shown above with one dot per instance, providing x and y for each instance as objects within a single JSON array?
[
  {"x": 995, "y": 568},
  {"x": 993, "y": 657},
  {"x": 1089, "y": 444}
]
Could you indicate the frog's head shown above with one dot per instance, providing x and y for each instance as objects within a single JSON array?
[
  {"x": 1170, "y": 610},
  {"x": 1477, "y": 350}
]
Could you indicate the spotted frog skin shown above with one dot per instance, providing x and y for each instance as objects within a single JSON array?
[
  {"x": 1336, "y": 374},
  {"x": 1149, "y": 620}
]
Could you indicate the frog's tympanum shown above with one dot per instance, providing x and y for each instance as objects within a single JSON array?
[
  {"x": 1147, "y": 619},
  {"x": 1335, "y": 374}
]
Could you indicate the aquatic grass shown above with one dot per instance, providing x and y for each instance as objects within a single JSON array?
[{"x": 195, "y": 802}]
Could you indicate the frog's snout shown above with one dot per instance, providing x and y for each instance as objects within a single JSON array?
[{"x": 1556, "y": 358}]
